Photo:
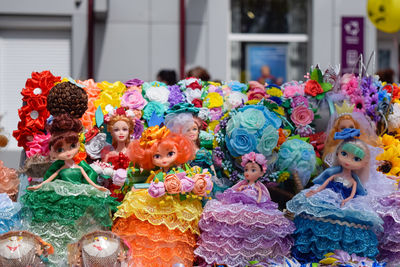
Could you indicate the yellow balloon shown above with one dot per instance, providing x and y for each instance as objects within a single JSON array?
[{"x": 384, "y": 14}]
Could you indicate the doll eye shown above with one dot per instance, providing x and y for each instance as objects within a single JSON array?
[
  {"x": 344, "y": 153},
  {"x": 60, "y": 150},
  {"x": 171, "y": 153},
  {"x": 253, "y": 170},
  {"x": 157, "y": 156},
  {"x": 73, "y": 145},
  {"x": 357, "y": 159},
  {"x": 125, "y": 129}
]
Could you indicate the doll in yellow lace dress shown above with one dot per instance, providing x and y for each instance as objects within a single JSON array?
[{"x": 160, "y": 223}]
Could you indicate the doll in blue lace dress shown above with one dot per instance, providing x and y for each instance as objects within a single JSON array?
[{"x": 334, "y": 213}]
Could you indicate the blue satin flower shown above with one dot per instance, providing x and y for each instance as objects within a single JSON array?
[{"x": 347, "y": 133}]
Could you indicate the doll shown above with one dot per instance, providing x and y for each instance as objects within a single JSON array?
[
  {"x": 346, "y": 118},
  {"x": 337, "y": 204},
  {"x": 22, "y": 248},
  {"x": 244, "y": 224},
  {"x": 160, "y": 230},
  {"x": 69, "y": 200}
]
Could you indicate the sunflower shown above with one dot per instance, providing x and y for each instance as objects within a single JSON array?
[
  {"x": 390, "y": 161},
  {"x": 389, "y": 140}
]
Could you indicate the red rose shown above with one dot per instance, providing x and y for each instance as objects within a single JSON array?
[
  {"x": 313, "y": 88},
  {"x": 197, "y": 103},
  {"x": 194, "y": 85}
]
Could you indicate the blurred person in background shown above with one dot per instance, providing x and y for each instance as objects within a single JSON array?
[
  {"x": 266, "y": 76},
  {"x": 386, "y": 75},
  {"x": 167, "y": 76},
  {"x": 199, "y": 72}
]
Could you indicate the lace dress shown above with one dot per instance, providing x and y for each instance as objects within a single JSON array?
[
  {"x": 9, "y": 214},
  {"x": 237, "y": 229},
  {"x": 161, "y": 231},
  {"x": 64, "y": 209},
  {"x": 323, "y": 225}
]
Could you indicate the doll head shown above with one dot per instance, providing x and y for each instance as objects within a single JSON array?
[
  {"x": 185, "y": 123},
  {"x": 64, "y": 140},
  {"x": 158, "y": 147},
  {"x": 121, "y": 127},
  {"x": 255, "y": 165}
]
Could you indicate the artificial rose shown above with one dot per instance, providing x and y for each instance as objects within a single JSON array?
[
  {"x": 213, "y": 100},
  {"x": 193, "y": 94},
  {"x": 158, "y": 93},
  {"x": 187, "y": 184},
  {"x": 194, "y": 85},
  {"x": 39, "y": 145},
  {"x": 293, "y": 89},
  {"x": 253, "y": 120},
  {"x": 175, "y": 95},
  {"x": 9, "y": 182},
  {"x": 299, "y": 100},
  {"x": 215, "y": 113},
  {"x": 313, "y": 88},
  {"x": 200, "y": 185},
  {"x": 133, "y": 83},
  {"x": 235, "y": 99},
  {"x": 151, "y": 107},
  {"x": 240, "y": 142},
  {"x": 119, "y": 177},
  {"x": 133, "y": 100},
  {"x": 156, "y": 189},
  {"x": 197, "y": 103},
  {"x": 268, "y": 141},
  {"x": 257, "y": 93},
  {"x": 233, "y": 123},
  {"x": 237, "y": 86},
  {"x": 95, "y": 145},
  {"x": 204, "y": 114},
  {"x": 302, "y": 116},
  {"x": 172, "y": 184}
]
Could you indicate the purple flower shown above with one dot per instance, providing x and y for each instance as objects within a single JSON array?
[
  {"x": 156, "y": 189},
  {"x": 299, "y": 100},
  {"x": 138, "y": 130},
  {"x": 215, "y": 113},
  {"x": 187, "y": 184},
  {"x": 133, "y": 100},
  {"x": 133, "y": 82},
  {"x": 304, "y": 131},
  {"x": 175, "y": 95}
]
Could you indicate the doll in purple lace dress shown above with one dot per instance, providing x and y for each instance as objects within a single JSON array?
[{"x": 243, "y": 224}]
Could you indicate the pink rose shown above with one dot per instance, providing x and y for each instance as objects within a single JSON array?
[
  {"x": 299, "y": 101},
  {"x": 292, "y": 90},
  {"x": 133, "y": 100},
  {"x": 172, "y": 184},
  {"x": 187, "y": 184},
  {"x": 200, "y": 185},
  {"x": 119, "y": 177},
  {"x": 257, "y": 93},
  {"x": 215, "y": 113},
  {"x": 156, "y": 189},
  {"x": 302, "y": 116}
]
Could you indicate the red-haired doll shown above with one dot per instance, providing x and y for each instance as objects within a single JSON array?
[{"x": 160, "y": 228}]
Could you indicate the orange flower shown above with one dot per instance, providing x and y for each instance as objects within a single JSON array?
[
  {"x": 172, "y": 184},
  {"x": 200, "y": 184},
  {"x": 79, "y": 157},
  {"x": 282, "y": 137}
]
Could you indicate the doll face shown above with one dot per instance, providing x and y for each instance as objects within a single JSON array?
[
  {"x": 101, "y": 246},
  {"x": 193, "y": 132},
  {"x": 66, "y": 151},
  {"x": 120, "y": 131},
  {"x": 346, "y": 124},
  {"x": 165, "y": 158},
  {"x": 15, "y": 247},
  {"x": 350, "y": 161},
  {"x": 252, "y": 171}
]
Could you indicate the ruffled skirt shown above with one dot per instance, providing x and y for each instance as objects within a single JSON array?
[
  {"x": 323, "y": 226},
  {"x": 236, "y": 229},
  {"x": 161, "y": 231},
  {"x": 61, "y": 212},
  {"x": 388, "y": 208}
]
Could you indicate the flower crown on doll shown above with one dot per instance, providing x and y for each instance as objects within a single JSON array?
[
  {"x": 119, "y": 111},
  {"x": 344, "y": 109},
  {"x": 255, "y": 158},
  {"x": 152, "y": 135}
]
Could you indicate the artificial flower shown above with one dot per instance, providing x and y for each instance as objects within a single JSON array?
[
  {"x": 390, "y": 161},
  {"x": 175, "y": 95},
  {"x": 313, "y": 88},
  {"x": 304, "y": 131},
  {"x": 111, "y": 94},
  {"x": 215, "y": 113},
  {"x": 302, "y": 116},
  {"x": 96, "y": 145},
  {"x": 172, "y": 184},
  {"x": 234, "y": 100},
  {"x": 133, "y": 83},
  {"x": 280, "y": 111},
  {"x": 157, "y": 93},
  {"x": 359, "y": 105},
  {"x": 240, "y": 142},
  {"x": 191, "y": 94},
  {"x": 213, "y": 100},
  {"x": 93, "y": 92},
  {"x": 187, "y": 184},
  {"x": 349, "y": 85},
  {"x": 268, "y": 141},
  {"x": 253, "y": 120},
  {"x": 282, "y": 137},
  {"x": 270, "y": 117},
  {"x": 293, "y": 89},
  {"x": 389, "y": 140},
  {"x": 257, "y": 94},
  {"x": 39, "y": 85},
  {"x": 39, "y": 145},
  {"x": 197, "y": 103},
  {"x": 133, "y": 100},
  {"x": 200, "y": 184},
  {"x": 274, "y": 91},
  {"x": 79, "y": 157},
  {"x": 156, "y": 189},
  {"x": 299, "y": 100},
  {"x": 237, "y": 86},
  {"x": 151, "y": 107}
]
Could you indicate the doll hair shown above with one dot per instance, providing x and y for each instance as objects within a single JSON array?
[
  {"x": 181, "y": 122},
  {"x": 143, "y": 154},
  {"x": 114, "y": 119},
  {"x": 64, "y": 129},
  {"x": 67, "y": 98},
  {"x": 362, "y": 173}
]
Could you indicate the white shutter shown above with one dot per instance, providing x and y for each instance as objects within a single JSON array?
[{"x": 21, "y": 53}]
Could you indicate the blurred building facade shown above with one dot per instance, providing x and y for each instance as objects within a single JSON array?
[{"x": 232, "y": 39}]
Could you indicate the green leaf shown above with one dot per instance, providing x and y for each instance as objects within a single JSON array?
[
  {"x": 320, "y": 96},
  {"x": 286, "y": 103},
  {"x": 314, "y": 75},
  {"x": 316, "y": 117},
  {"x": 326, "y": 86}
]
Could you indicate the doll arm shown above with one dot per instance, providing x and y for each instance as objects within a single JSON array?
[
  {"x": 259, "y": 193},
  {"x": 90, "y": 181},
  {"x": 353, "y": 193},
  {"x": 322, "y": 187},
  {"x": 51, "y": 178}
]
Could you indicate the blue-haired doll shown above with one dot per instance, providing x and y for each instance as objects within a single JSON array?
[{"x": 334, "y": 214}]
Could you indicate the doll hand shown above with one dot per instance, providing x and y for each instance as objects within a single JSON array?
[
  {"x": 39, "y": 250},
  {"x": 121, "y": 256},
  {"x": 240, "y": 188},
  {"x": 311, "y": 192},
  {"x": 102, "y": 188},
  {"x": 344, "y": 202},
  {"x": 35, "y": 187}
]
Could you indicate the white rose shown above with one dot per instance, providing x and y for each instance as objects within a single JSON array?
[
  {"x": 394, "y": 118},
  {"x": 204, "y": 114},
  {"x": 159, "y": 94},
  {"x": 192, "y": 94},
  {"x": 108, "y": 172},
  {"x": 95, "y": 145},
  {"x": 235, "y": 99},
  {"x": 96, "y": 168}
]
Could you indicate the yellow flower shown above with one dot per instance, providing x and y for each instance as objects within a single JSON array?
[
  {"x": 212, "y": 125},
  {"x": 274, "y": 92},
  {"x": 252, "y": 102},
  {"x": 280, "y": 111},
  {"x": 111, "y": 94},
  {"x": 283, "y": 177},
  {"x": 388, "y": 140},
  {"x": 214, "y": 83},
  {"x": 82, "y": 145},
  {"x": 390, "y": 164},
  {"x": 213, "y": 100}
]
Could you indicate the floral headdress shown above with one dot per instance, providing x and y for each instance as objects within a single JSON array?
[
  {"x": 255, "y": 158},
  {"x": 152, "y": 135}
]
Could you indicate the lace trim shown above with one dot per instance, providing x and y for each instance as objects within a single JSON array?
[
  {"x": 64, "y": 188},
  {"x": 342, "y": 223}
]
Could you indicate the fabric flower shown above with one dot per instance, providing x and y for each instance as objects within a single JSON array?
[
  {"x": 233, "y": 123},
  {"x": 271, "y": 117},
  {"x": 204, "y": 114},
  {"x": 237, "y": 86},
  {"x": 359, "y": 105},
  {"x": 200, "y": 184},
  {"x": 133, "y": 83},
  {"x": 172, "y": 184},
  {"x": 293, "y": 89},
  {"x": 151, "y": 107},
  {"x": 213, "y": 100},
  {"x": 9, "y": 182},
  {"x": 39, "y": 145},
  {"x": 274, "y": 91},
  {"x": 133, "y": 100},
  {"x": 119, "y": 177},
  {"x": 156, "y": 189},
  {"x": 394, "y": 117},
  {"x": 304, "y": 131},
  {"x": 187, "y": 184},
  {"x": 39, "y": 85},
  {"x": 299, "y": 100},
  {"x": 253, "y": 120},
  {"x": 158, "y": 94},
  {"x": 111, "y": 94},
  {"x": 191, "y": 94},
  {"x": 194, "y": 84},
  {"x": 215, "y": 113},
  {"x": 268, "y": 141},
  {"x": 234, "y": 100},
  {"x": 349, "y": 85},
  {"x": 138, "y": 129},
  {"x": 175, "y": 95},
  {"x": 197, "y": 103},
  {"x": 96, "y": 145},
  {"x": 257, "y": 94},
  {"x": 313, "y": 88},
  {"x": 240, "y": 142},
  {"x": 255, "y": 157},
  {"x": 302, "y": 116}
]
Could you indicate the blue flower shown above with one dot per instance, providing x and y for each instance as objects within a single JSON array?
[
  {"x": 276, "y": 99},
  {"x": 237, "y": 86},
  {"x": 347, "y": 133},
  {"x": 271, "y": 117},
  {"x": 383, "y": 95},
  {"x": 240, "y": 142}
]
